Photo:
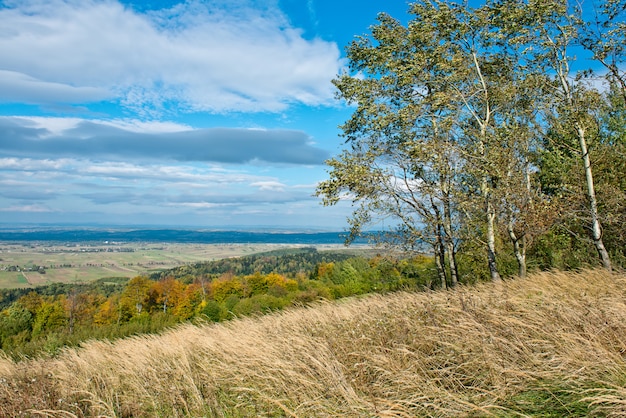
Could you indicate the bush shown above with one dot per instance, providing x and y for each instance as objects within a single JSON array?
[{"x": 213, "y": 311}]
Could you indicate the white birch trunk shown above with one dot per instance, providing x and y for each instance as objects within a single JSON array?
[{"x": 596, "y": 228}]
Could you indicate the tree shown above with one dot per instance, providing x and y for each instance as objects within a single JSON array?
[
  {"x": 13, "y": 320},
  {"x": 605, "y": 37},
  {"x": 562, "y": 176},
  {"x": 225, "y": 286},
  {"x": 50, "y": 315},
  {"x": 394, "y": 168},
  {"x": 189, "y": 302},
  {"x": 548, "y": 31},
  {"x": 108, "y": 312},
  {"x": 136, "y": 296},
  {"x": 526, "y": 212},
  {"x": 80, "y": 307},
  {"x": 610, "y": 163},
  {"x": 167, "y": 292},
  {"x": 430, "y": 142}
]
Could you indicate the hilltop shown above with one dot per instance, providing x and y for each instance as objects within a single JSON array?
[{"x": 553, "y": 344}]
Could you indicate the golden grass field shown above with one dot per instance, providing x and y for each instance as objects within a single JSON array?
[{"x": 551, "y": 345}]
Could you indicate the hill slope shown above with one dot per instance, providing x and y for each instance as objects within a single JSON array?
[{"x": 551, "y": 345}]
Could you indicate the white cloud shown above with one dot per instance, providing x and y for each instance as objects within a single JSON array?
[
  {"x": 28, "y": 172},
  {"x": 200, "y": 205},
  {"x": 206, "y": 56},
  {"x": 274, "y": 186},
  {"x": 29, "y": 164}
]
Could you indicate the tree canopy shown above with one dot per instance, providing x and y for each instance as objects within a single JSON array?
[{"x": 478, "y": 136}]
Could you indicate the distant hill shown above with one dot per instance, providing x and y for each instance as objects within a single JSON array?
[
  {"x": 284, "y": 261},
  {"x": 75, "y": 235}
]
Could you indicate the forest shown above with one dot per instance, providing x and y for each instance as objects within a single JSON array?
[{"x": 45, "y": 319}]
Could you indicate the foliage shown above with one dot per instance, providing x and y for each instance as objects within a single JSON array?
[
  {"x": 472, "y": 132},
  {"x": 105, "y": 286},
  {"x": 43, "y": 322},
  {"x": 285, "y": 261}
]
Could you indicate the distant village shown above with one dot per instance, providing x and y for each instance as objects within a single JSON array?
[
  {"x": 39, "y": 269},
  {"x": 67, "y": 248}
]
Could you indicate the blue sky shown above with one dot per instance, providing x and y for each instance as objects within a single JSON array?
[{"x": 212, "y": 113}]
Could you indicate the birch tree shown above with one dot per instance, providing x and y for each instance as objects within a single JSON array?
[
  {"x": 433, "y": 99},
  {"x": 552, "y": 31},
  {"x": 399, "y": 164}
]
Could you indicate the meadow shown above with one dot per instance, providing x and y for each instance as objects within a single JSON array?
[
  {"x": 550, "y": 345},
  {"x": 80, "y": 263}
]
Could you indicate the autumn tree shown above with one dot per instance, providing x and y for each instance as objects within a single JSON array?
[
  {"x": 136, "y": 296},
  {"x": 189, "y": 301},
  {"x": 108, "y": 312},
  {"x": 167, "y": 293},
  {"x": 50, "y": 315},
  {"x": 80, "y": 308},
  {"x": 224, "y": 286},
  {"x": 14, "y": 320}
]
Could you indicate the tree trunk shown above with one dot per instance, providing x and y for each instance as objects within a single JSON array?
[
  {"x": 454, "y": 272},
  {"x": 440, "y": 252},
  {"x": 491, "y": 231},
  {"x": 447, "y": 228},
  {"x": 203, "y": 289},
  {"x": 519, "y": 249},
  {"x": 491, "y": 243},
  {"x": 440, "y": 263},
  {"x": 72, "y": 308},
  {"x": 596, "y": 228}
]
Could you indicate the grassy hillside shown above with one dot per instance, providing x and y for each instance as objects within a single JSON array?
[{"x": 552, "y": 345}]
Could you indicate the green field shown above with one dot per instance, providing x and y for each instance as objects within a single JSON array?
[{"x": 19, "y": 263}]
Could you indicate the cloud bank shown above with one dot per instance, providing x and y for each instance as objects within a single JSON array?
[
  {"x": 215, "y": 56},
  {"x": 76, "y": 138},
  {"x": 140, "y": 74}
]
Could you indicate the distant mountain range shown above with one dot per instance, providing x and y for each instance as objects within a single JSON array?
[{"x": 102, "y": 235}]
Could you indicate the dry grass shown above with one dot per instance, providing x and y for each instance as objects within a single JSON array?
[{"x": 551, "y": 345}]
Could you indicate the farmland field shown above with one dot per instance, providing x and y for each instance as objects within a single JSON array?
[{"x": 36, "y": 264}]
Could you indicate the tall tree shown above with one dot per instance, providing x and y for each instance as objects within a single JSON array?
[
  {"x": 136, "y": 296},
  {"x": 393, "y": 168},
  {"x": 431, "y": 134},
  {"x": 552, "y": 31}
]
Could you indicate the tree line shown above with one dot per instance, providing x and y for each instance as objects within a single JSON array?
[
  {"x": 483, "y": 133},
  {"x": 287, "y": 261},
  {"x": 45, "y": 319}
]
